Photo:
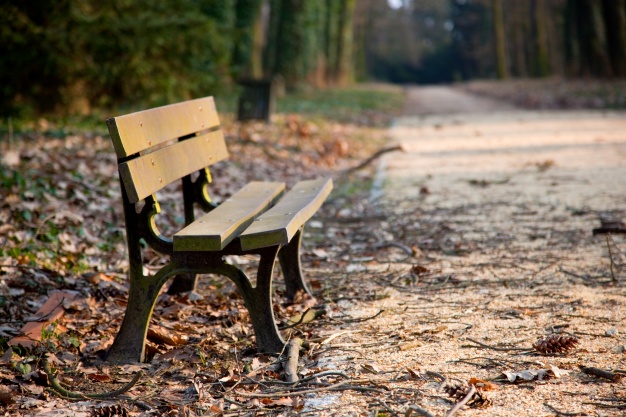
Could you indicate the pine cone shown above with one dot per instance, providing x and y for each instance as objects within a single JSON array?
[
  {"x": 556, "y": 344},
  {"x": 458, "y": 392},
  {"x": 110, "y": 411}
]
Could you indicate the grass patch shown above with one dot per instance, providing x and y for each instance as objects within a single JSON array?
[{"x": 361, "y": 104}]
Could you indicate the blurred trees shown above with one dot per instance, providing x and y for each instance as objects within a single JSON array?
[
  {"x": 75, "y": 55},
  {"x": 427, "y": 41}
]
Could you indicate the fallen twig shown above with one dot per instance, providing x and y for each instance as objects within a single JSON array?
[
  {"x": 602, "y": 405},
  {"x": 611, "y": 262},
  {"x": 612, "y": 376},
  {"x": 317, "y": 312},
  {"x": 372, "y": 158},
  {"x": 418, "y": 410},
  {"x": 362, "y": 319},
  {"x": 386, "y": 407},
  {"x": 291, "y": 364},
  {"x": 64, "y": 393},
  {"x": 409, "y": 252},
  {"x": 563, "y": 413},
  {"x": 461, "y": 403},
  {"x": 280, "y": 394},
  {"x": 486, "y": 346}
]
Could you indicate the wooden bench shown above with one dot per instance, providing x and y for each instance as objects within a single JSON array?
[{"x": 181, "y": 141}]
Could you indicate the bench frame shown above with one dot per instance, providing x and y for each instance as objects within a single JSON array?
[{"x": 144, "y": 143}]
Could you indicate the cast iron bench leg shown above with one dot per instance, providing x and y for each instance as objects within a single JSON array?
[
  {"x": 289, "y": 257},
  {"x": 182, "y": 283},
  {"x": 129, "y": 346},
  {"x": 259, "y": 300}
]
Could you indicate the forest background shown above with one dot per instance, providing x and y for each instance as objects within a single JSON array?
[{"x": 77, "y": 57}]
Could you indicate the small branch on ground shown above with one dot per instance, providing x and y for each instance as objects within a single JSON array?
[
  {"x": 461, "y": 403},
  {"x": 362, "y": 319},
  {"x": 280, "y": 394},
  {"x": 372, "y": 158},
  {"x": 386, "y": 407},
  {"x": 418, "y": 410},
  {"x": 291, "y": 364},
  {"x": 611, "y": 262},
  {"x": 611, "y": 376},
  {"x": 563, "y": 413},
  {"x": 64, "y": 393},
  {"x": 499, "y": 349}
]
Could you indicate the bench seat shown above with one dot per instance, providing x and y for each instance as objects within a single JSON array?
[
  {"x": 217, "y": 228},
  {"x": 278, "y": 225}
]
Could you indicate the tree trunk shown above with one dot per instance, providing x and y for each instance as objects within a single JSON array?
[
  {"x": 345, "y": 69},
  {"x": 615, "y": 18},
  {"x": 598, "y": 54},
  {"x": 542, "y": 63},
  {"x": 500, "y": 39},
  {"x": 572, "y": 38},
  {"x": 290, "y": 42},
  {"x": 247, "y": 13}
]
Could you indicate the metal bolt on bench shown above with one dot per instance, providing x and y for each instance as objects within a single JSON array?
[{"x": 159, "y": 146}]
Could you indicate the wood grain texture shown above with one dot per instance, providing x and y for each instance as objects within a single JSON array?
[
  {"x": 280, "y": 223},
  {"x": 136, "y": 132},
  {"x": 216, "y": 229},
  {"x": 147, "y": 174}
]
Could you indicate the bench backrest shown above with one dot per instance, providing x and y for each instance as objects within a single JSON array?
[{"x": 158, "y": 146}]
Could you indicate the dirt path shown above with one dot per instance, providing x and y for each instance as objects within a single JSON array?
[
  {"x": 422, "y": 101},
  {"x": 498, "y": 206}
]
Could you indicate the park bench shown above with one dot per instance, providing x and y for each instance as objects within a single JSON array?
[{"x": 180, "y": 142}]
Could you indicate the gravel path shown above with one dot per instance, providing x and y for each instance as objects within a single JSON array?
[{"x": 498, "y": 206}]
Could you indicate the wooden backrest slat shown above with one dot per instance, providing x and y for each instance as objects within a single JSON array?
[
  {"x": 147, "y": 174},
  {"x": 136, "y": 132}
]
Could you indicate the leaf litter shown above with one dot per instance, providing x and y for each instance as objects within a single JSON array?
[{"x": 393, "y": 331}]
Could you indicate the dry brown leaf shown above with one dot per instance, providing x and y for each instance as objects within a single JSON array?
[
  {"x": 483, "y": 385},
  {"x": 166, "y": 337},
  {"x": 420, "y": 270},
  {"x": 99, "y": 377},
  {"x": 7, "y": 395}
]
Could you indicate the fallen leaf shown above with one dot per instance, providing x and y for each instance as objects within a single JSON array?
[
  {"x": 7, "y": 395},
  {"x": 165, "y": 337},
  {"x": 536, "y": 374},
  {"x": 484, "y": 385},
  {"x": 99, "y": 377}
]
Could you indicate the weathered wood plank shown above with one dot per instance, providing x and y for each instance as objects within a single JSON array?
[
  {"x": 216, "y": 229},
  {"x": 149, "y": 173},
  {"x": 136, "y": 132},
  {"x": 280, "y": 223}
]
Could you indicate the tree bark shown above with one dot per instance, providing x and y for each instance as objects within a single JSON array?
[
  {"x": 542, "y": 63},
  {"x": 615, "y": 19},
  {"x": 500, "y": 39},
  {"x": 344, "y": 73}
]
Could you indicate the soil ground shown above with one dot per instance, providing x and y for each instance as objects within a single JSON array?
[
  {"x": 497, "y": 205},
  {"x": 475, "y": 243}
]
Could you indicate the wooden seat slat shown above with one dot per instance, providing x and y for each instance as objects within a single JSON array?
[
  {"x": 216, "y": 229},
  {"x": 136, "y": 132},
  {"x": 280, "y": 223}
]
